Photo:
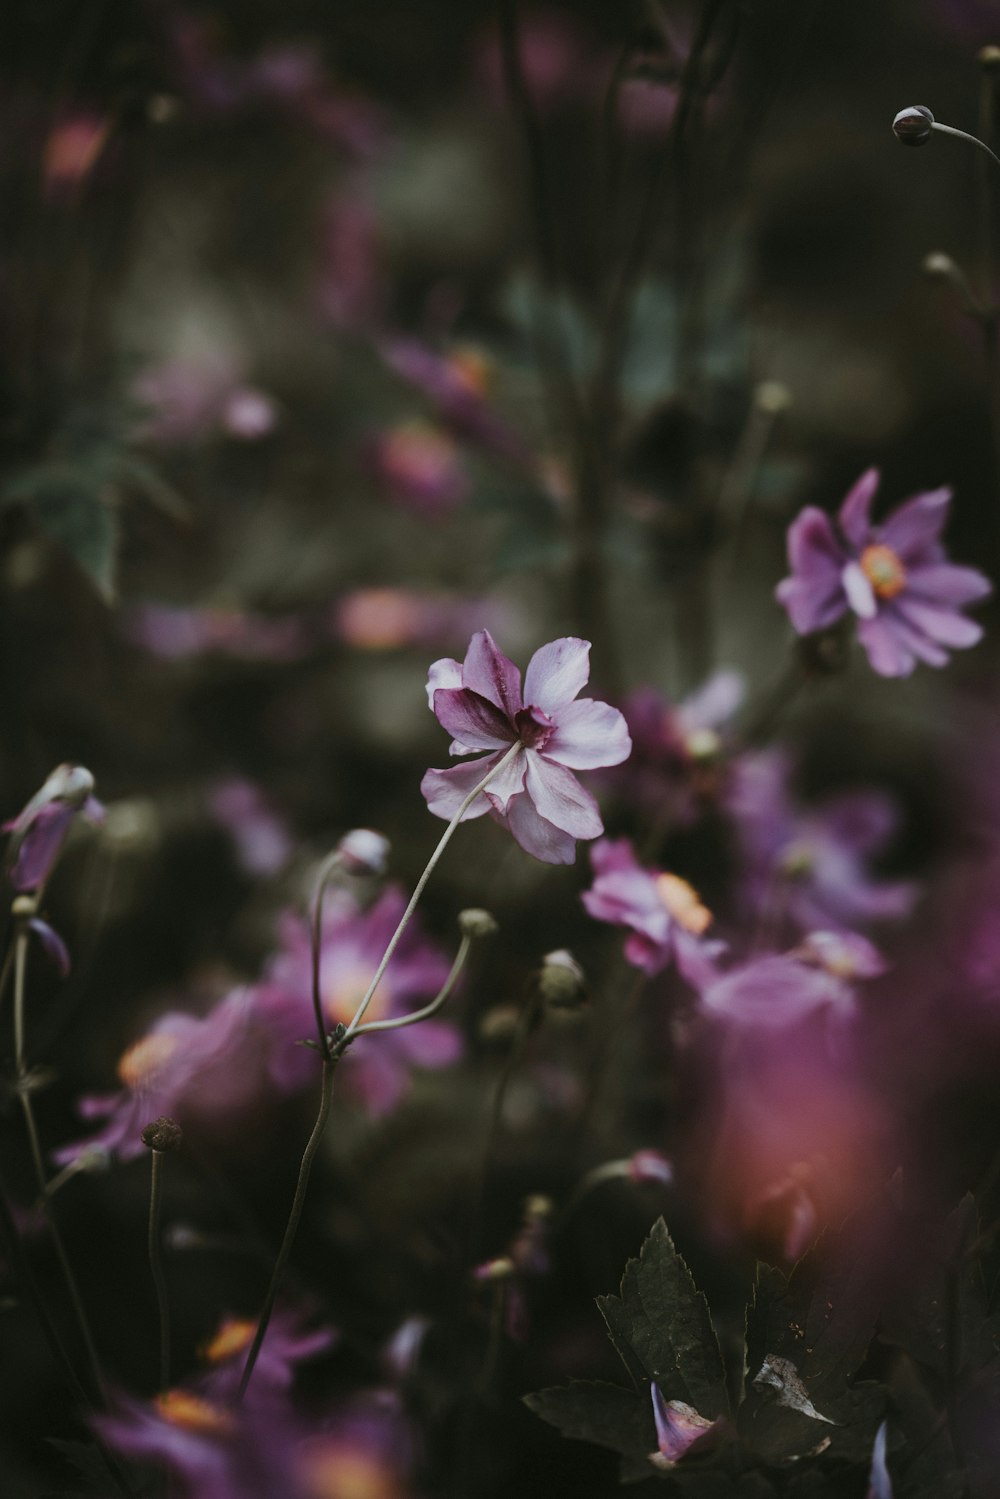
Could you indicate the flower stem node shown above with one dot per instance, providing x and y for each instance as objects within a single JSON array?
[
  {"x": 475, "y": 922},
  {"x": 163, "y": 1134},
  {"x": 560, "y": 981},
  {"x": 913, "y": 126}
]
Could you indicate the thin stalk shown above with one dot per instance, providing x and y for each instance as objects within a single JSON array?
[
  {"x": 38, "y": 1160},
  {"x": 404, "y": 921},
  {"x": 329, "y": 866},
  {"x": 399, "y": 1021},
  {"x": 291, "y": 1228},
  {"x": 963, "y": 135},
  {"x": 156, "y": 1266},
  {"x": 526, "y": 1025}
]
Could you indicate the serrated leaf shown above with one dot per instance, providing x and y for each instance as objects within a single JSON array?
[
  {"x": 592, "y": 1411},
  {"x": 661, "y": 1328},
  {"x": 72, "y": 512}
]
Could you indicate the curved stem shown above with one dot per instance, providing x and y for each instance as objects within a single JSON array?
[
  {"x": 398, "y": 1021},
  {"x": 156, "y": 1267},
  {"x": 329, "y": 866},
  {"x": 352, "y": 1029},
  {"x": 291, "y": 1228},
  {"x": 38, "y": 1160},
  {"x": 963, "y": 135}
]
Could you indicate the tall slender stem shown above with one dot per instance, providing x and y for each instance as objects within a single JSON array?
[
  {"x": 38, "y": 1160},
  {"x": 963, "y": 135},
  {"x": 404, "y": 920},
  {"x": 291, "y": 1228},
  {"x": 156, "y": 1267}
]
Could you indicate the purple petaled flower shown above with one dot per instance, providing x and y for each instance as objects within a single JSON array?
[
  {"x": 364, "y": 1452},
  {"x": 260, "y": 834},
  {"x": 420, "y": 465},
  {"x": 676, "y": 746},
  {"x": 666, "y": 919},
  {"x": 286, "y": 1345},
  {"x": 879, "y": 1481},
  {"x": 457, "y": 385},
  {"x": 353, "y": 941},
  {"x": 536, "y": 796},
  {"x": 774, "y": 992},
  {"x": 679, "y": 1430},
  {"x": 199, "y": 1070},
  {"x": 894, "y": 577},
  {"x": 42, "y": 826},
  {"x": 809, "y": 871}
]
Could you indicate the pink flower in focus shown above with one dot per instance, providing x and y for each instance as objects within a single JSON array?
[
  {"x": 894, "y": 577},
  {"x": 536, "y": 796},
  {"x": 665, "y": 917},
  {"x": 378, "y": 1068}
]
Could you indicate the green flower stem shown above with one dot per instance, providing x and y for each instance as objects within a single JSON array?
[
  {"x": 352, "y": 1029},
  {"x": 27, "y": 1108},
  {"x": 291, "y": 1228},
  {"x": 156, "y": 1266},
  {"x": 963, "y": 135},
  {"x": 397, "y": 1022}
]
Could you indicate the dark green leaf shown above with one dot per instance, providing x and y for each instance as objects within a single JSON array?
[{"x": 591, "y": 1411}]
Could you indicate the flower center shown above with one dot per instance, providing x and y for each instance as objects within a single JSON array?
[
  {"x": 884, "y": 571},
  {"x": 681, "y": 901},
  {"x": 344, "y": 991},
  {"x": 233, "y": 1336},
  {"x": 534, "y": 727},
  {"x": 141, "y": 1061},
  {"x": 191, "y": 1413},
  {"x": 340, "y": 1473},
  {"x": 797, "y": 861},
  {"x": 472, "y": 368}
]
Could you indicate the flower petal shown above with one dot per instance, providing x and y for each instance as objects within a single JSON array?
[
  {"x": 510, "y": 782},
  {"x": 940, "y": 622},
  {"x": 814, "y": 594},
  {"x": 445, "y": 790},
  {"x": 556, "y": 674},
  {"x": 855, "y": 513},
  {"x": 589, "y": 734},
  {"x": 946, "y": 583},
  {"x": 538, "y": 837},
  {"x": 487, "y": 670},
  {"x": 560, "y": 798},
  {"x": 444, "y": 673},
  {"x": 916, "y": 527},
  {"x": 860, "y": 594},
  {"x": 886, "y": 652},
  {"x": 474, "y": 722}
]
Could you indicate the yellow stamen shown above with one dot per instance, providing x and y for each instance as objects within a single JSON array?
[
  {"x": 345, "y": 991},
  {"x": 884, "y": 571},
  {"x": 233, "y": 1336},
  {"x": 139, "y": 1063},
  {"x": 191, "y": 1413},
  {"x": 683, "y": 903}
]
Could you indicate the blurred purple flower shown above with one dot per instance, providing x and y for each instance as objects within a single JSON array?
[
  {"x": 420, "y": 465},
  {"x": 456, "y": 383},
  {"x": 188, "y": 400},
  {"x": 353, "y": 941},
  {"x": 665, "y": 917},
  {"x": 536, "y": 796},
  {"x": 810, "y": 870},
  {"x": 40, "y": 829},
  {"x": 287, "y": 1344},
  {"x": 200, "y": 1070},
  {"x": 378, "y": 619},
  {"x": 560, "y": 60},
  {"x": 895, "y": 577},
  {"x": 365, "y": 1452},
  {"x": 350, "y": 282},
  {"x": 879, "y": 1481},
  {"x": 176, "y": 632},
  {"x": 676, "y": 746},
  {"x": 261, "y": 836},
  {"x": 775, "y": 992}
]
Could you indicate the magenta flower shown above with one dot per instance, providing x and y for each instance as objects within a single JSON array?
[
  {"x": 665, "y": 917},
  {"x": 775, "y": 992},
  {"x": 376, "y": 1068},
  {"x": 679, "y": 1430},
  {"x": 288, "y": 1343},
  {"x": 536, "y": 796},
  {"x": 42, "y": 826},
  {"x": 894, "y": 577},
  {"x": 420, "y": 466},
  {"x": 676, "y": 747}
]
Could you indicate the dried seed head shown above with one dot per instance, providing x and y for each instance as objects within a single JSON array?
[
  {"x": 476, "y": 923},
  {"x": 162, "y": 1134}
]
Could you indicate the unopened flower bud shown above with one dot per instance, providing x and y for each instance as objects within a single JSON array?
[
  {"x": 24, "y": 907},
  {"x": 561, "y": 980},
  {"x": 476, "y": 923},
  {"x": 502, "y": 1268},
  {"x": 988, "y": 58},
  {"x": 363, "y": 851},
  {"x": 163, "y": 1134},
  {"x": 499, "y": 1023},
  {"x": 913, "y": 126},
  {"x": 772, "y": 397},
  {"x": 537, "y": 1208},
  {"x": 939, "y": 266}
]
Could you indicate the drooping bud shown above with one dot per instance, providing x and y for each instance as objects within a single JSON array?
[
  {"x": 560, "y": 981},
  {"x": 913, "y": 126},
  {"x": 988, "y": 59},
  {"x": 363, "y": 851},
  {"x": 475, "y": 922},
  {"x": 163, "y": 1134},
  {"x": 939, "y": 266}
]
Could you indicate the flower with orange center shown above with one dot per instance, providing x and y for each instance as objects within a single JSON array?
[
  {"x": 344, "y": 991},
  {"x": 141, "y": 1062},
  {"x": 233, "y": 1337},
  {"x": 884, "y": 570},
  {"x": 192, "y": 1413},
  {"x": 336, "y": 1471},
  {"x": 682, "y": 902}
]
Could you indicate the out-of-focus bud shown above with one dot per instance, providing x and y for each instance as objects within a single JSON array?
[
  {"x": 132, "y": 824},
  {"x": 913, "y": 126},
  {"x": 499, "y": 1024},
  {"x": 560, "y": 981},
  {"x": 939, "y": 266},
  {"x": 502, "y": 1268},
  {"x": 772, "y": 397},
  {"x": 164, "y": 1134},
  {"x": 476, "y": 923},
  {"x": 988, "y": 59},
  {"x": 650, "y": 1166},
  {"x": 363, "y": 851}
]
